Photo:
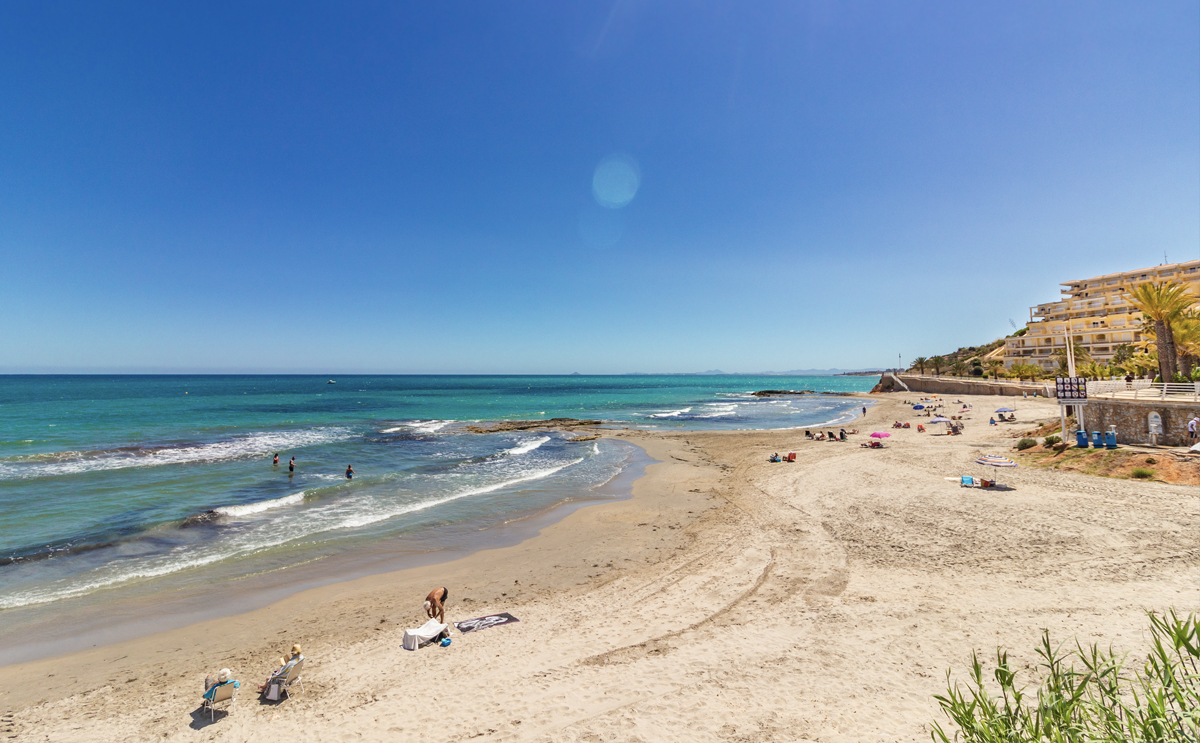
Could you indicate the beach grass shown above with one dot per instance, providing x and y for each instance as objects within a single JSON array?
[{"x": 1084, "y": 693}]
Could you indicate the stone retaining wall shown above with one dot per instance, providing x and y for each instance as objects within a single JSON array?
[
  {"x": 1132, "y": 420},
  {"x": 964, "y": 386}
]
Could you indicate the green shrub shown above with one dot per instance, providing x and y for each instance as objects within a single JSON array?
[
  {"x": 1102, "y": 702},
  {"x": 1050, "y": 441},
  {"x": 1024, "y": 444},
  {"x": 1151, "y": 460},
  {"x": 1142, "y": 473}
]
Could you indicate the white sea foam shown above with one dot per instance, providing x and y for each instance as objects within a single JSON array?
[
  {"x": 428, "y": 426},
  {"x": 526, "y": 446},
  {"x": 266, "y": 505},
  {"x": 671, "y": 413},
  {"x": 719, "y": 410},
  {"x": 336, "y": 516},
  {"x": 383, "y": 514},
  {"x": 393, "y": 430},
  {"x": 241, "y": 447}
]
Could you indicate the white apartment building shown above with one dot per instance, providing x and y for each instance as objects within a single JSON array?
[{"x": 1099, "y": 317}]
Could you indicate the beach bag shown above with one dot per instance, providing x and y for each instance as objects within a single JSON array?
[{"x": 273, "y": 691}]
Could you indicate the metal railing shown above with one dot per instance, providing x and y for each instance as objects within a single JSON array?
[{"x": 1144, "y": 389}]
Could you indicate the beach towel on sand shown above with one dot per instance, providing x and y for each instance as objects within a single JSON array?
[
  {"x": 425, "y": 634},
  {"x": 491, "y": 620}
]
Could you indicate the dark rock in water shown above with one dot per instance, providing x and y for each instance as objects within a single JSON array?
[
  {"x": 577, "y": 439},
  {"x": 199, "y": 519},
  {"x": 552, "y": 423},
  {"x": 784, "y": 393},
  {"x": 779, "y": 393}
]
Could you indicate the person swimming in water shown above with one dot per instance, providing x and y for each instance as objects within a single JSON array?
[{"x": 349, "y": 472}]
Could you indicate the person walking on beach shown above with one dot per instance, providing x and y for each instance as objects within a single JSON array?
[
  {"x": 292, "y": 464},
  {"x": 435, "y": 604},
  {"x": 1192, "y": 424},
  {"x": 864, "y": 409},
  {"x": 349, "y": 472}
]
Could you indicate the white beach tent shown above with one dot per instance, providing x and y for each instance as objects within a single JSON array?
[{"x": 414, "y": 638}]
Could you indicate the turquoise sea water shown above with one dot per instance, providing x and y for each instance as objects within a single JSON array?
[{"x": 133, "y": 483}]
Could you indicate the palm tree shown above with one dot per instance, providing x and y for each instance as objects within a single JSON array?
[
  {"x": 1032, "y": 371},
  {"x": 920, "y": 363},
  {"x": 958, "y": 368},
  {"x": 937, "y": 362},
  {"x": 1094, "y": 370},
  {"x": 1187, "y": 339},
  {"x": 1142, "y": 363},
  {"x": 994, "y": 366},
  {"x": 1162, "y": 303},
  {"x": 1082, "y": 358}
]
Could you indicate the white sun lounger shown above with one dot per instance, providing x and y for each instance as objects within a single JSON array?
[{"x": 423, "y": 635}]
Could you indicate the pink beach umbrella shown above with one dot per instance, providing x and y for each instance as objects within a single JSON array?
[{"x": 880, "y": 435}]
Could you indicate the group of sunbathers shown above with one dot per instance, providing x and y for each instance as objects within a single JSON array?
[
  {"x": 830, "y": 436},
  {"x": 435, "y": 608},
  {"x": 225, "y": 676}
]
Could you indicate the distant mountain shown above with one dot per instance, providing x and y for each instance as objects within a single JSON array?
[
  {"x": 718, "y": 372},
  {"x": 812, "y": 372}
]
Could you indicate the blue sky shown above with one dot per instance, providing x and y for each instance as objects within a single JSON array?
[{"x": 388, "y": 187}]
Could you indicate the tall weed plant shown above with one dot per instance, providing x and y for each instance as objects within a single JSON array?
[{"x": 1085, "y": 694}]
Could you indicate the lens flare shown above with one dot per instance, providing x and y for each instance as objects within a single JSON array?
[{"x": 616, "y": 181}]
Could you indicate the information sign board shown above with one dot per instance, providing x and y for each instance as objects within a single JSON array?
[{"x": 1071, "y": 388}]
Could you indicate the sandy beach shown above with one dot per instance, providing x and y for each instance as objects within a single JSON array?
[{"x": 730, "y": 599}]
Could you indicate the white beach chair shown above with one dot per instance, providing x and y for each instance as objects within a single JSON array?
[
  {"x": 224, "y": 693},
  {"x": 291, "y": 674}
]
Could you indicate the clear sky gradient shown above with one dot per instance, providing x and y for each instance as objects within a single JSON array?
[{"x": 410, "y": 187}]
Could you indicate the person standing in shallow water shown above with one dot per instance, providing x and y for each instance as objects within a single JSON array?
[
  {"x": 292, "y": 464},
  {"x": 275, "y": 461},
  {"x": 349, "y": 472}
]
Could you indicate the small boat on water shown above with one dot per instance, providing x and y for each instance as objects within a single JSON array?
[{"x": 331, "y": 382}]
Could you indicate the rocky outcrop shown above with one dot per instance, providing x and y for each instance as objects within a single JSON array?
[
  {"x": 551, "y": 423},
  {"x": 784, "y": 393}
]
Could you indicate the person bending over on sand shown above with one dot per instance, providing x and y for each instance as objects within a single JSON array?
[
  {"x": 285, "y": 663},
  {"x": 435, "y": 604}
]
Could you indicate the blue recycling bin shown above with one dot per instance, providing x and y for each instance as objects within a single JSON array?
[
  {"x": 1097, "y": 440},
  {"x": 1081, "y": 440},
  {"x": 1110, "y": 439}
]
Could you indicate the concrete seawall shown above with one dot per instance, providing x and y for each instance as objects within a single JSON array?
[{"x": 960, "y": 386}]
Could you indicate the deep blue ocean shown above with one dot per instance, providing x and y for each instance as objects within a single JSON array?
[{"x": 111, "y": 483}]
